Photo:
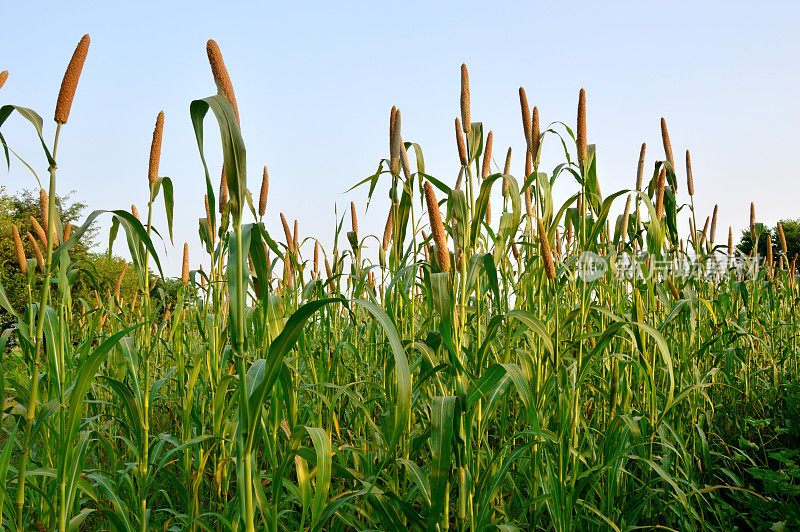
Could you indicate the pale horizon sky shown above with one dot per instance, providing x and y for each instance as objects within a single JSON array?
[{"x": 315, "y": 82}]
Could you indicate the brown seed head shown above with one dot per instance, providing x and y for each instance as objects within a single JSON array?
[
  {"x": 316, "y": 257},
  {"x": 667, "y": 145},
  {"x": 155, "y": 148},
  {"x": 439, "y": 235},
  {"x": 487, "y": 157},
  {"x": 211, "y": 229},
  {"x": 223, "y": 191},
  {"x": 39, "y": 231},
  {"x": 507, "y": 171},
  {"x": 21, "y": 259},
  {"x": 288, "y": 234},
  {"x": 391, "y": 128},
  {"x": 353, "y": 219},
  {"x": 185, "y": 269},
  {"x": 730, "y": 241},
  {"x": 387, "y": 231},
  {"x": 404, "y": 160},
  {"x": 465, "y": 118},
  {"x": 44, "y": 207},
  {"x": 580, "y": 136},
  {"x": 295, "y": 236},
  {"x": 70, "y": 81},
  {"x": 526, "y": 118},
  {"x": 221, "y": 77},
  {"x": 36, "y": 251},
  {"x": 119, "y": 280},
  {"x": 713, "y": 225},
  {"x": 640, "y": 167},
  {"x": 782, "y": 238},
  {"x": 528, "y": 165},
  {"x": 262, "y": 198},
  {"x": 462, "y": 148},
  {"x": 397, "y": 144},
  {"x": 753, "y": 220},
  {"x": 67, "y": 231},
  {"x": 529, "y": 203},
  {"x": 135, "y": 212},
  {"x": 689, "y": 180},
  {"x": 3, "y": 78},
  {"x": 544, "y": 248},
  {"x": 662, "y": 179}
]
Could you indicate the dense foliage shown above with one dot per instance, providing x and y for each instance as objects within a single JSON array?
[{"x": 526, "y": 365}]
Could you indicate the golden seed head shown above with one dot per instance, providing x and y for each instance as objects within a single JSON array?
[
  {"x": 36, "y": 251},
  {"x": 135, "y": 212},
  {"x": 262, "y": 198},
  {"x": 689, "y": 180},
  {"x": 119, "y": 280},
  {"x": 528, "y": 165},
  {"x": 580, "y": 137},
  {"x": 353, "y": 219},
  {"x": 713, "y": 224},
  {"x": 44, "y": 207},
  {"x": 387, "y": 231},
  {"x": 316, "y": 257},
  {"x": 730, "y": 241},
  {"x": 526, "y": 118},
  {"x": 667, "y": 145},
  {"x": 662, "y": 179},
  {"x": 21, "y": 259},
  {"x": 769, "y": 253},
  {"x": 221, "y": 77},
  {"x": 466, "y": 121},
  {"x": 3, "y": 78},
  {"x": 535, "y": 133},
  {"x": 753, "y": 220},
  {"x": 640, "y": 168},
  {"x": 544, "y": 248},
  {"x": 223, "y": 191},
  {"x": 487, "y": 157},
  {"x": 70, "y": 81},
  {"x": 288, "y": 234},
  {"x": 397, "y": 144},
  {"x": 462, "y": 147},
  {"x": 437, "y": 227},
  {"x": 782, "y": 238},
  {"x": 67, "y": 231},
  {"x": 39, "y": 231},
  {"x": 155, "y": 148},
  {"x": 185, "y": 269},
  {"x": 328, "y": 271},
  {"x": 295, "y": 236},
  {"x": 507, "y": 171},
  {"x": 211, "y": 229},
  {"x": 529, "y": 203}
]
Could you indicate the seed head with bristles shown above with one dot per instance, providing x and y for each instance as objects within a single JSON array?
[
  {"x": 782, "y": 238},
  {"x": 70, "y": 82},
  {"x": 689, "y": 179},
  {"x": 526, "y": 118},
  {"x": 660, "y": 188},
  {"x": 36, "y": 251},
  {"x": 353, "y": 219},
  {"x": 387, "y": 231},
  {"x": 544, "y": 248},
  {"x": 667, "y": 145},
  {"x": 487, "y": 157},
  {"x": 3, "y": 78},
  {"x": 21, "y": 259},
  {"x": 221, "y": 77},
  {"x": 439, "y": 235},
  {"x": 223, "y": 191},
  {"x": 262, "y": 198},
  {"x": 155, "y": 149},
  {"x": 466, "y": 121},
  {"x": 185, "y": 269},
  {"x": 462, "y": 147},
  {"x": 580, "y": 135},
  {"x": 713, "y": 225},
  {"x": 39, "y": 231},
  {"x": 640, "y": 167}
]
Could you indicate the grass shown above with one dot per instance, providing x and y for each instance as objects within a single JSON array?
[{"x": 479, "y": 378}]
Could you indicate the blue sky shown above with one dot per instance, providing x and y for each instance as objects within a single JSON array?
[{"x": 315, "y": 82}]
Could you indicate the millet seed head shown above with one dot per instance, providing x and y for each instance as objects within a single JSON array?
[
  {"x": 223, "y": 191},
  {"x": 70, "y": 82},
  {"x": 535, "y": 134},
  {"x": 640, "y": 168},
  {"x": 580, "y": 136},
  {"x": 462, "y": 147},
  {"x": 185, "y": 269},
  {"x": 36, "y": 252},
  {"x": 437, "y": 227},
  {"x": 21, "y": 259},
  {"x": 689, "y": 179},
  {"x": 466, "y": 121},
  {"x": 526, "y": 117},
  {"x": 486, "y": 168},
  {"x": 3, "y": 78},
  {"x": 221, "y": 77},
  {"x": 667, "y": 145},
  {"x": 544, "y": 248},
  {"x": 387, "y": 231},
  {"x": 262, "y": 198},
  {"x": 353, "y": 219}
]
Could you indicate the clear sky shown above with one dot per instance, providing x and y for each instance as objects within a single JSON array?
[{"x": 315, "y": 83}]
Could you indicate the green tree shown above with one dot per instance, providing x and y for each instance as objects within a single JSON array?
[{"x": 791, "y": 229}]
